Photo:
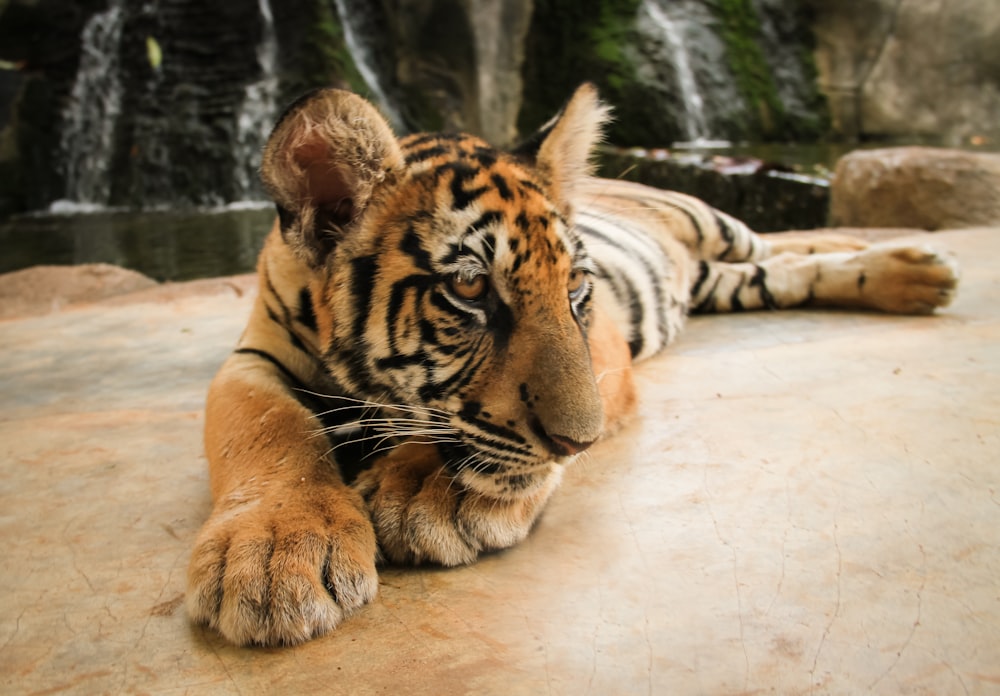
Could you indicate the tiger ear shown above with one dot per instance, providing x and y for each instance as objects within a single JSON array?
[
  {"x": 561, "y": 149},
  {"x": 323, "y": 164}
]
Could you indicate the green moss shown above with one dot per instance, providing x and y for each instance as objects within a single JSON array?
[
  {"x": 320, "y": 57},
  {"x": 818, "y": 124},
  {"x": 326, "y": 40},
  {"x": 741, "y": 33},
  {"x": 572, "y": 41},
  {"x": 766, "y": 115}
]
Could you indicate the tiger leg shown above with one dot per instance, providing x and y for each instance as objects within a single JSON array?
[
  {"x": 712, "y": 235},
  {"x": 288, "y": 549},
  {"x": 422, "y": 514},
  {"x": 808, "y": 242},
  {"x": 724, "y": 238},
  {"x": 886, "y": 277}
]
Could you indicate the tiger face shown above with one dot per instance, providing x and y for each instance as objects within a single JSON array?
[{"x": 447, "y": 280}]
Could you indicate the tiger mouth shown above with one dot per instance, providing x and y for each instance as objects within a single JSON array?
[{"x": 489, "y": 473}]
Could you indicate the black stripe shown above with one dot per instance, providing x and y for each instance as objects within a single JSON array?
[
  {"x": 502, "y": 187},
  {"x": 760, "y": 280},
  {"x": 625, "y": 290},
  {"x": 726, "y": 233},
  {"x": 703, "y": 271},
  {"x": 426, "y": 154},
  {"x": 352, "y": 453},
  {"x": 485, "y": 220},
  {"x": 531, "y": 186},
  {"x": 289, "y": 376},
  {"x": 402, "y": 360},
  {"x": 735, "y": 303},
  {"x": 613, "y": 279},
  {"x": 485, "y": 156},
  {"x": 708, "y": 304},
  {"x": 505, "y": 434},
  {"x": 285, "y": 321},
  {"x": 411, "y": 244},
  {"x": 419, "y": 284},
  {"x": 461, "y": 172},
  {"x": 299, "y": 389},
  {"x": 363, "y": 270},
  {"x": 414, "y": 141},
  {"x": 459, "y": 379},
  {"x": 699, "y": 232},
  {"x": 307, "y": 315},
  {"x": 286, "y": 314}
]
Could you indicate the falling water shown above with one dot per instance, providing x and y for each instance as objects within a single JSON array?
[
  {"x": 364, "y": 61},
  {"x": 695, "y": 124},
  {"x": 90, "y": 116},
  {"x": 256, "y": 114}
]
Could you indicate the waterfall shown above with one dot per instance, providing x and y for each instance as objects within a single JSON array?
[
  {"x": 351, "y": 20},
  {"x": 256, "y": 114},
  {"x": 91, "y": 114},
  {"x": 695, "y": 125}
]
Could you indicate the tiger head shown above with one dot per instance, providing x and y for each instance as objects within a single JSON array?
[{"x": 447, "y": 279}]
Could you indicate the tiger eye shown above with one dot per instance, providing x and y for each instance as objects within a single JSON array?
[
  {"x": 577, "y": 282},
  {"x": 469, "y": 289}
]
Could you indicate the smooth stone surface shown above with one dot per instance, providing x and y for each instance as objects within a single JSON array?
[
  {"x": 810, "y": 503},
  {"x": 922, "y": 187}
]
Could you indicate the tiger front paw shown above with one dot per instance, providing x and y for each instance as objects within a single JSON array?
[
  {"x": 907, "y": 279},
  {"x": 282, "y": 568},
  {"x": 421, "y": 514}
]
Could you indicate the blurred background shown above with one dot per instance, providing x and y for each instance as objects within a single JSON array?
[{"x": 130, "y": 131}]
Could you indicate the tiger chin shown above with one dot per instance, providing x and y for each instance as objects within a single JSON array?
[{"x": 441, "y": 327}]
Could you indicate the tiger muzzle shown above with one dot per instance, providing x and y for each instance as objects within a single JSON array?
[{"x": 567, "y": 414}]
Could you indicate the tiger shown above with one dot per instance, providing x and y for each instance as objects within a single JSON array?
[{"x": 441, "y": 328}]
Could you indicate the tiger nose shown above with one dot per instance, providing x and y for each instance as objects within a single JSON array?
[
  {"x": 557, "y": 444},
  {"x": 569, "y": 446}
]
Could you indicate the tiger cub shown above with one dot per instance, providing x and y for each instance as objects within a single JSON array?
[{"x": 442, "y": 327}]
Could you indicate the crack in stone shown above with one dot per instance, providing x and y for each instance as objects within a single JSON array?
[
  {"x": 916, "y": 621},
  {"x": 784, "y": 544},
  {"x": 72, "y": 552},
  {"x": 736, "y": 578},
  {"x": 836, "y": 610},
  {"x": 646, "y": 574}
]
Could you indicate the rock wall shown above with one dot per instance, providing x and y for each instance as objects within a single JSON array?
[
  {"x": 184, "y": 72},
  {"x": 903, "y": 68},
  {"x": 789, "y": 70},
  {"x": 750, "y": 61},
  {"x": 457, "y": 63}
]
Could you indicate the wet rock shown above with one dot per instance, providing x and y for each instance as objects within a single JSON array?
[
  {"x": 749, "y": 62},
  {"x": 458, "y": 64},
  {"x": 767, "y": 196},
  {"x": 925, "y": 188},
  {"x": 175, "y": 124}
]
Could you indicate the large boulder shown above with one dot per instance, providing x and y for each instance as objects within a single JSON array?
[
  {"x": 43, "y": 289},
  {"x": 921, "y": 187}
]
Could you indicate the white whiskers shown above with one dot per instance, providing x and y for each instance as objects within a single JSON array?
[{"x": 378, "y": 422}]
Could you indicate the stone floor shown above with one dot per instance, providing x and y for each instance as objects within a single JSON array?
[{"x": 809, "y": 504}]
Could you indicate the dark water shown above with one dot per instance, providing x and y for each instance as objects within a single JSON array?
[
  {"x": 183, "y": 245},
  {"x": 162, "y": 245}
]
